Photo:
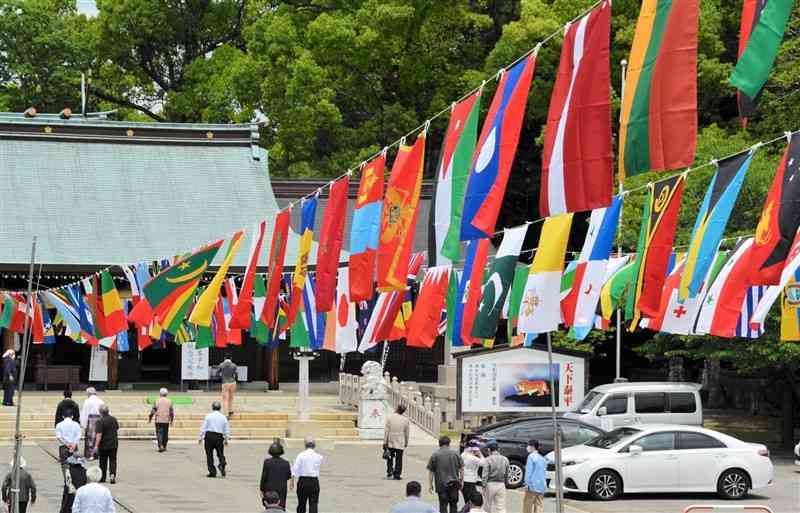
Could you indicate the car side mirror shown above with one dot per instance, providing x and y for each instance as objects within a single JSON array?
[
  {"x": 635, "y": 450},
  {"x": 602, "y": 411}
]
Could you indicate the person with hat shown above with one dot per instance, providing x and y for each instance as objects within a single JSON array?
[
  {"x": 9, "y": 377},
  {"x": 27, "y": 488},
  {"x": 473, "y": 459},
  {"x": 275, "y": 474},
  {"x": 495, "y": 474}
]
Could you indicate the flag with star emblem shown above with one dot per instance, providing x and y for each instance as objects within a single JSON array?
[
  {"x": 779, "y": 219},
  {"x": 539, "y": 312},
  {"x": 722, "y": 304},
  {"x": 772, "y": 292},
  {"x": 399, "y": 216},
  {"x": 711, "y": 221},
  {"x": 366, "y": 229},
  {"x": 448, "y": 198},
  {"x": 423, "y": 326},
  {"x": 499, "y": 282},
  {"x": 277, "y": 253},
  {"x": 204, "y": 307},
  {"x": 657, "y": 232},
  {"x": 173, "y": 287}
]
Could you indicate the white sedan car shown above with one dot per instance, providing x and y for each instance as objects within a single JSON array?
[{"x": 663, "y": 458}]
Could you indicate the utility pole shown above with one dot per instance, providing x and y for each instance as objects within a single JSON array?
[
  {"x": 556, "y": 432},
  {"x": 623, "y": 67}
]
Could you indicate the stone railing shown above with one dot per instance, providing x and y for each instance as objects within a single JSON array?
[{"x": 420, "y": 409}]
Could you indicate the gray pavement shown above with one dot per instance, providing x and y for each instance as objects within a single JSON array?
[{"x": 352, "y": 481}]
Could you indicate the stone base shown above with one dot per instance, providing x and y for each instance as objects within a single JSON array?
[
  {"x": 370, "y": 434},
  {"x": 304, "y": 428},
  {"x": 446, "y": 375}
]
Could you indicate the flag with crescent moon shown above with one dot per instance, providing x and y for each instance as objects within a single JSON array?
[
  {"x": 178, "y": 282},
  {"x": 499, "y": 282},
  {"x": 203, "y": 309}
]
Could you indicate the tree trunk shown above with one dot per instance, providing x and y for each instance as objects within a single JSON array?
[
  {"x": 716, "y": 399},
  {"x": 676, "y": 371}
]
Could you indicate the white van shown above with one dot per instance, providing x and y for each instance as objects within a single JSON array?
[{"x": 622, "y": 404}]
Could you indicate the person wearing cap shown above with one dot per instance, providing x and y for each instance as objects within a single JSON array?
[
  {"x": 27, "y": 487},
  {"x": 495, "y": 474},
  {"x": 306, "y": 471},
  {"x": 9, "y": 377},
  {"x": 275, "y": 474},
  {"x": 165, "y": 416},
  {"x": 90, "y": 414},
  {"x": 215, "y": 432},
  {"x": 473, "y": 459},
  {"x": 535, "y": 480},
  {"x": 67, "y": 407},
  {"x": 446, "y": 471},
  {"x": 227, "y": 372}
]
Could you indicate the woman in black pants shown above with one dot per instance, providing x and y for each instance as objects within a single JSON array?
[{"x": 276, "y": 473}]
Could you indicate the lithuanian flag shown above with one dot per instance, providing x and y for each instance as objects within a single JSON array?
[{"x": 659, "y": 109}]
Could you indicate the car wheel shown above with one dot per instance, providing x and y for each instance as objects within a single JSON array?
[
  {"x": 605, "y": 485},
  {"x": 516, "y": 474},
  {"x": 733, "y": 484}
]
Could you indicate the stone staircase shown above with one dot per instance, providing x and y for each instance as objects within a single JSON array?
[{"x": 257, "y": 417}]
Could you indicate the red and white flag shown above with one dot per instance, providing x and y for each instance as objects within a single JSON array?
[
  {"x": 722, "y": 304},
  {"x": 241, "y": 316},
  {"x": 423, "y": 326},
  {"x": 330, "y": 244},
  {"x": 577, "y": 160}
]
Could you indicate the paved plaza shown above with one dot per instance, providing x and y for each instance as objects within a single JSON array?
[{"x": 352, "y": 481}]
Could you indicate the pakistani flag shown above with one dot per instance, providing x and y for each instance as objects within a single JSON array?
[
  {"x": 500, "y": 278},
  {"x": 453, "y": 170},
  {"x": 515, "y": 298}
]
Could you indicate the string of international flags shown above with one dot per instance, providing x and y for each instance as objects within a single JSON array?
[{"x": 700, "y": 291}]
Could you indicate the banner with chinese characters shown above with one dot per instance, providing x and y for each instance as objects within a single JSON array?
[{"x": 518, "y": 380}]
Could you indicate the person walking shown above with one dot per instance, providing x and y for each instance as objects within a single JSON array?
[
  {"x": 272, "y": 503},
  {"x": 93, "y": 497},
  {"x": 90, "y": 414},
  {"x": 165, "y": 416},
  {"x": 275, "y": 474},
  {"x": 495, "y": 475},
  {"x": 227, "y": 371},
  {"x": 395, "y": 440},
  {"x": 473, "y": 459},
  {"x": 306, "y": 471},
  {"x": 413, "y": 503},
  {"x": 535, "y": 480},
  {"x": 27, "y": 487},
  {"x": 74, "y": 477},
  {"x": 67, "y": 407},
  {"x": 9, "y": 377},
  {"x": 216, "y": 432},
  {"x": 107, "y": 443},
  {"x": 68, "y": 434},
  {"x": 446, "y": 471}
]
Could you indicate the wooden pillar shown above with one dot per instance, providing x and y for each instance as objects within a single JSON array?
[
  {"x": 113, "y": 368},
  {"x": 8, "y": 340},
  {"x": 274, "y": 381}
]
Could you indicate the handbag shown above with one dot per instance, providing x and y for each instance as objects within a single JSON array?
[{"x": 387, "y": 454}]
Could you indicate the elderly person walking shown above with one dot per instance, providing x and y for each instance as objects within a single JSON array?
[
  {"x": 395, "y": 440},
  {"x": 93, "y": 497},
  {"x": 165, "y": 416},
  {"x": 90, "y": 414},
  {"x": 227, "y": 372},
  {"x": 275, "y": 474},
  {"x": 9, "y": 377},
  {"x": 68, "y": 434},
  {"x": 27, "y": 487},
  {"x": 107, "y": 443},
  {"x": 495, "y": 474},
  {"x": 306, "y": 470},
  {"x": 215, "y": 433}
]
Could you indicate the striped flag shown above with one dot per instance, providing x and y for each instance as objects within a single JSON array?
[
  {"x": 203, "y": 308},
  {"x": 277, "y": 253},
  {"x": 303, "y": 254},
  {"x": 577, "y": 169},
  {"x": 423, "y": 326},
  {"x": 469, "y": 292},
  {"x": 365, "y": 229},
  {"x": 772, "y": 293},
  {"x": 751, "y": 14},
  {"x": 243, "y": 311},
  {"x": 330, "y": 243},
  {"x": 753, "y": 295}
]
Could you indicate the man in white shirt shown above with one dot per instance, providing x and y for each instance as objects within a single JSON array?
[
  {"x": 306, "y": 471},
  {"x": 93, "y": 497},
  {"x": 90, "y": 414},
  {"x": 216, "y": 432},
  {"x": 68, "y": 434}
]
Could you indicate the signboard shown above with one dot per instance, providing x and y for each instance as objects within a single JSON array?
[
  {"x": 194, "y": 362},
  {"x": 518, "y": 381},
  {"x": 98, "y": 364}
]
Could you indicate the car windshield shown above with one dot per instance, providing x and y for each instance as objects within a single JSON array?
[
  {"x": 612, "y": 437},
  {"x": 589, "y": 402}
]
